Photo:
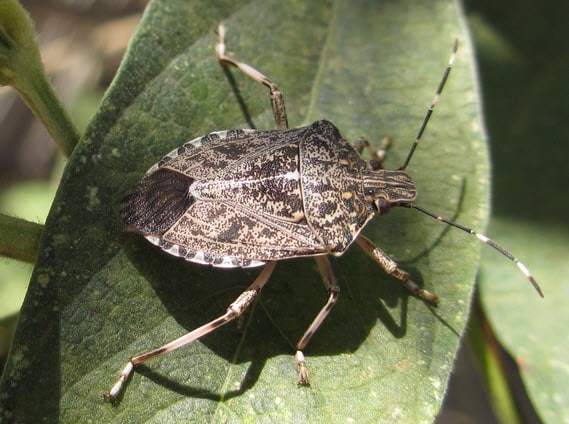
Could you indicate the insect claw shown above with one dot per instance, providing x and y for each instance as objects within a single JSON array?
[
  {"x": 414, "y": 288},
  {"x": 429, "y": 297},
  {"x": 116, "y": 390},
  {"x": 302, "y": 370}
]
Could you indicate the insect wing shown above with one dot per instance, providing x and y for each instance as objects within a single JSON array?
[
  {"x": 210, "y": 157},
  {"x": 231, "y": 198},
  {"x": 226, "y": 234}
]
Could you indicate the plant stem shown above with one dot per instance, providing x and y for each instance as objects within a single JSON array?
[
  {"x": 38, "y": 93},
  {"x": 20, "y": 238},
  {"x": 491, "y": 360},
  {"x": 21, "y": 67}
]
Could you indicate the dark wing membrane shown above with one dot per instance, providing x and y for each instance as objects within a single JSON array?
[
  {"x": 156, "y": 202},
  {"x": 161, "y": 197},
  {"x": 222, "y": 229}
]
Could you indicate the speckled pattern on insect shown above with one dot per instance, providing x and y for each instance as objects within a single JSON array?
[{"x": 249, "y": 198}]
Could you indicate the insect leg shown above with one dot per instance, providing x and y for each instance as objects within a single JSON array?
[
  {"x": 377, "y": 157},
  {"x": 392, "y": 268},
  {"x": 333, "y": 289},
  {"x": 277, "y": 100},
  {"x": 233, "y": 311}
]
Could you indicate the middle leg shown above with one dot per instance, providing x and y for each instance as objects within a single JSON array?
[{"x": 333, "y": 289}]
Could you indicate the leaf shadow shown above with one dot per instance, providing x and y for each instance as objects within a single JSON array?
[
  {"x": 193, "y": 294},
  {"x": 238, "y": 97},
  {"x": 446, "y": 229},
  {"x": 248, "y": 381}
]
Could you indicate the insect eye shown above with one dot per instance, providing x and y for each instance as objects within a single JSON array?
[{"x": 382, "y": 205}]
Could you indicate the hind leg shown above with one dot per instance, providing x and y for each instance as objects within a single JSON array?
[{"x": 277, "y": 100}]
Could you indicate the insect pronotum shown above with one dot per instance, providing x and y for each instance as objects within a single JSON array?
[{"x": 272, "y": 195}]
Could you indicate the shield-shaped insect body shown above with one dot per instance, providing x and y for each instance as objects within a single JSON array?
[
  {"x": 241, "y": 198},
  {"x": 247, "y": 198}
]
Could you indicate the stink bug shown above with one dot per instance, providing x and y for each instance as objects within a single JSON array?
[{"x": 249, "y": 198}]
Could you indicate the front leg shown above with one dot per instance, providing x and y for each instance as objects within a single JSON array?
[
  {"x": 392, "y": 268},
  {"x": 378, "y": 157}
]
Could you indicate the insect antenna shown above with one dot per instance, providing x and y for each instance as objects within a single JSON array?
[
  {"x": 432, "y": 107},
  {"x": 482, "y": 238}
]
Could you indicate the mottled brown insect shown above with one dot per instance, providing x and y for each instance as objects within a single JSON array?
[{"x": 249, "y": 198}]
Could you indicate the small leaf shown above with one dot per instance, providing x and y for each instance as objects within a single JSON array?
[{"x": 99, "y": 295}]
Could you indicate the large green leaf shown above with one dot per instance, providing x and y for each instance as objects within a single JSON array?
[
  {"x": 99, "y": 295},
  {"x": 525, "y": 98}
]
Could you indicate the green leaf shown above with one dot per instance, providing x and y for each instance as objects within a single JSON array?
[
  {"x": 530, "y": 327},
  {"x": 99, "y": 295},
  {"x": 526, "y": 108}
]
